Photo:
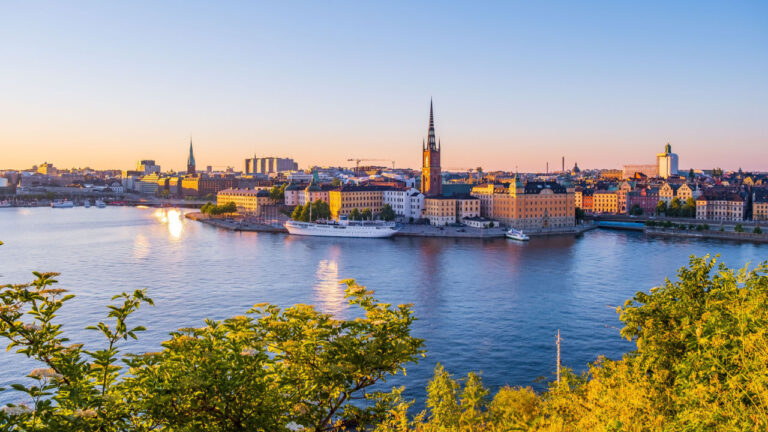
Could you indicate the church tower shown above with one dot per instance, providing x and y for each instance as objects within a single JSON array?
[
  {"x": 431, "y": 178},
  {"x": 190, "y": 159}
]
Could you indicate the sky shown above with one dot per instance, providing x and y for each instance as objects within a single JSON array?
[{"x": 514, "y": 84}]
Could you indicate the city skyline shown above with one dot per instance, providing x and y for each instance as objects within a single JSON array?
[{"x": 513, "y": 85}]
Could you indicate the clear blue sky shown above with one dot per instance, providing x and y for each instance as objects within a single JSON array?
[{"x": 514, "y": 83}]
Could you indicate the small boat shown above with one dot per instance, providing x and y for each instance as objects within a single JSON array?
[
  {"x": 517, "y": 235},
  {"x": 100, "y": 203},
  {"x": 62, "y": 204},
  {"x": 87, "y": 203}
]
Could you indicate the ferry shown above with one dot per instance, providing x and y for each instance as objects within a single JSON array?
[
  {"x": 62, "y": 204},
  {"x": 344, "y": 228},
  {"x": 517, "y": 235}
]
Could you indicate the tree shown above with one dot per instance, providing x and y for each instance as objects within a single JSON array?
[
  {"x": 336, "y": 182},
  {"x": 675, "y": 207},
  {"x": 387, "y": 213},
  {"x": 296, "y": 215},
  {"x": 366, "y": 214},
  {"x": 268, "y": 370},
  {"x": 738, "y": 228},
  {"x": 691, "y": 174},
  {"x": 689, "y": 208},
  {"x": 305, "y": 210},
  {"x": 757, "y": 230},
  {"x": 661, "y": 207},
  {"x": 277, "y": 193},
  {"x": 355, "y": 214},
  {"x": 320, "y": 210},
  {"x": 636, "y": 210}
]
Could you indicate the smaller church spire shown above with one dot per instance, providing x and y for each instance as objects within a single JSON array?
[{"x": 191, "y": 159}]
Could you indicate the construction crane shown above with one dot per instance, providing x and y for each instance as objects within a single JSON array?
[{"x": 357, "y": 162}]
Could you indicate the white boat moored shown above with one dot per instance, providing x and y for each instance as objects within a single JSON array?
[
  {"x": 517, "y": 235},
  {"x": 345, "y": 228}
]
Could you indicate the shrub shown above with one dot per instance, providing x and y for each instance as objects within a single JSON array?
[
  {"x": 738, "y": 228},
  {"x": 757, "y": 230}
]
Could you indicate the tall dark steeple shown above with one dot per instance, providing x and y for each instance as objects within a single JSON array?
[
  {"x": 190, "y": 159},
  {"x": 431, "y": 177}
]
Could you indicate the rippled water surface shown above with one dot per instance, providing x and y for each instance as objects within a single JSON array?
[{"x": 491, "y": 305}]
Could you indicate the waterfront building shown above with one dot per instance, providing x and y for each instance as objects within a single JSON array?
[
  {"x": 631, "y": 171},
  {"x": 605, "y": 202},
  {"x": 535, "y": 205},
  {"x": 190, "y": 160},
  {"x": 667, "y": 162},
  {"x": 646, "y": 198},
  {"x": 721, "y": 204},
  {"x": 268, "y": 165},
  {"x": 587, "y": 200},
  {"x": 315, "y": 191},
  {"x": 760, "y": 204},
  {"x": 668, "y": 191},
  {"x": 431, "y": 177},
  {"x": 485, "y": 194},
  {"x": 342, "y": 200},
  {"x": 406, "y": 202},
  {"x": 247, "y": 200},
  {"x": 480, "y": 222},
  {"x": 442, "y": 210}
]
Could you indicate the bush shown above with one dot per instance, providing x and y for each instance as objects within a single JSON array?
[
  {"x": 738, "y": 228},
  {"x": 757, "y": 230},
  {"x": 650, "y": 223}
]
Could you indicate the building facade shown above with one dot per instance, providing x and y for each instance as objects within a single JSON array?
[
  {"x": 268, "y": 165},
  {"x": 246, "y": 200},
  {"x": 721, "y": 205},
  {"x": 342, "y": 200},
  {"x": 441, "y": 210},
  {"x": 406, "y": 202},
  {"x": 605, "y": 202},
  {"x": 535, "y": 206}
]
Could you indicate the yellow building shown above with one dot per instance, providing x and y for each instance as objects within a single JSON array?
[
  {"x": 346, "y": 198},
  {"x": 246, "y": 200},
  {"x": 760, "y": 205},
  {"x": 535, "y": 206},
  {"x": 605, "y": 202}
]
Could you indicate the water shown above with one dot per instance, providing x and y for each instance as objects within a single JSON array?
[{"x": 487, "y": 305}]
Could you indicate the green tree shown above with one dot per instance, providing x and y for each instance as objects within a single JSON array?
[
  {"x": 691, "y": 174},
  {"x": 636, "y": 210},
  {"x": 366, "y": 214},
  {"x": 661, "y": 207},
  {"x": 757, "y": 230},
  {"x": 305, "y": 213},
  {"x": 689, "y": 208},
  {"x": 336, "y": 182},
  {"x": 387, "y": 213},
  {"x": 675, "y": 207},
  {"x": 296, "y": 214},
  {"x": 355, "y": 214},
  {"x": 267, "y": 370},
  {"x": 320, "y": 210},
  {"x": 738, "y": 228}
]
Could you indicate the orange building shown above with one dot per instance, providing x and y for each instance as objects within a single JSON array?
[
  {"x": 535, "y": 206},
  {"x": 346, "y": 198}
]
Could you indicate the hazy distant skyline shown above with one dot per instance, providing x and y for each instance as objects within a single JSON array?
[{"x": 104, "y": 84}]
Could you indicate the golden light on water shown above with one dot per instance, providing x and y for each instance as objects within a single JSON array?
[{"x": 172, "y": 218}]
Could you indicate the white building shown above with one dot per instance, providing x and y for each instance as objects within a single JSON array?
[
  {"x": 667, "y": 162},
  {"x": 407, "y": 203}
]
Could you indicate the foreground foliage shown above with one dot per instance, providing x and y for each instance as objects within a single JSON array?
[
  {"x": 269, "y": 370},
  {"x": 701, "y": 364}
]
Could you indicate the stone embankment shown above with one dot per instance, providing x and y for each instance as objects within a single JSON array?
[
  {"x": 707, "y": 234},
  {"x": 235, "y": 224}
]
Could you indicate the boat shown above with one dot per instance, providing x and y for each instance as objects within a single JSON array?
[
  {"x": 343, "y": 228},
  {"x": 5, "y": 204},
  {"x": 87, "y": 203},
  {"x": 62, "y": 204},
  {"x": 100, "y": 204},
  {"x": 517, "y": 235}
]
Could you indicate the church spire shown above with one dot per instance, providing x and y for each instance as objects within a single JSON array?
[
  {"x": 431, "y": 134},
  {"x": 190, "y": 159}
]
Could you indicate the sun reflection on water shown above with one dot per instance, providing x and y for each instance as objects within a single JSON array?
[
  {"x": 172, "y": 218},
  {"x": 327, "y": 288}
]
